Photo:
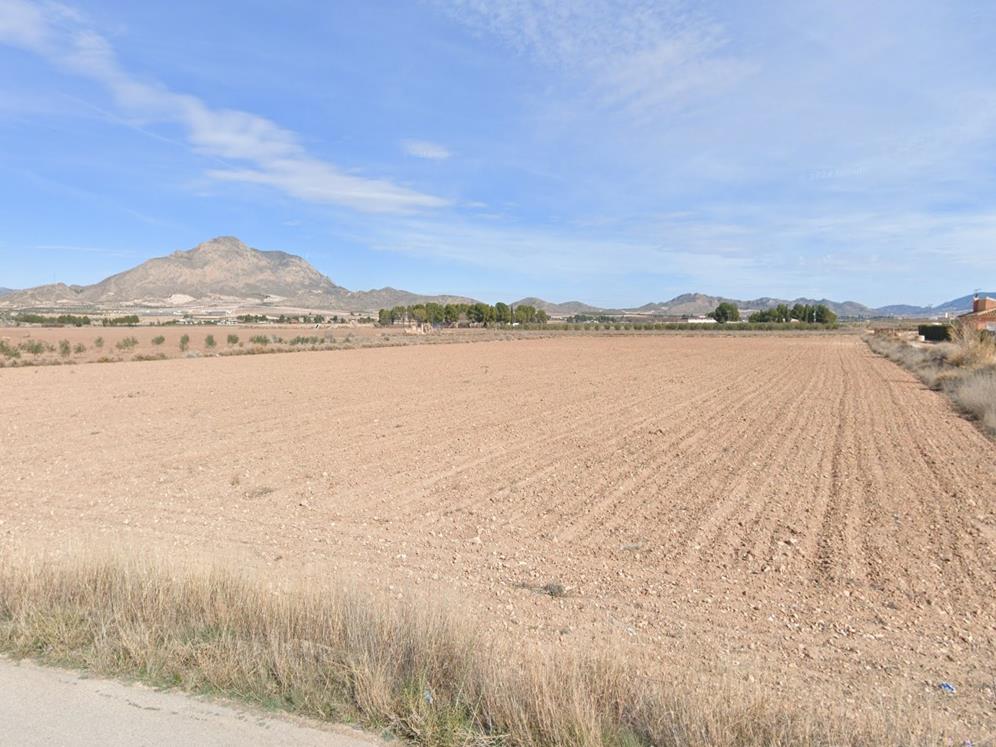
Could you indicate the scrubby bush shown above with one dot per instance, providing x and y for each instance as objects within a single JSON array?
[
  {"x": 158, "y": 340},
  {"x": 65, "y": 348},
  {"x": 965, "y": 369},
  {"x": 233, "y": 339},
  {"x": 98, "y": 343},
  {"x": 127, "y": 343},
  {"x": 9, "y": 351},
  {"x": 79, "y": 348},
  {"x": 209, "y": 341},
  {"x": 34, "y": 347},
  {"x": 184, "y": 342},
  {"x": 259, "y": 340},
  {"x": 935, "y": 332}
]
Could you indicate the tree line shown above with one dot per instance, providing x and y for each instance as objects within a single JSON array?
[
  {"x": 455, "y": 313},
  {"x": 818, "y": 314},
  {"x": 71, "y": 320}
]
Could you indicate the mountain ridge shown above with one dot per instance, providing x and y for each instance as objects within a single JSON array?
[
  {"x": 225, "y": 272},
  {"x": 222, "y": 271}
]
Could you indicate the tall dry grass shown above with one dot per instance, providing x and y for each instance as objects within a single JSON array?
[
  {"x": 964, "y": 368},
  {"x": 408, "y": 669}
]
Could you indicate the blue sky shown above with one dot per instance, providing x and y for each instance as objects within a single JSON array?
[{"x": 611, "y": 152}]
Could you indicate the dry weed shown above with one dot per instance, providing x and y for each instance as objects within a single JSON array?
[
  {"x": 410, "y": 669},
  {"x": 965, "y": 369}
]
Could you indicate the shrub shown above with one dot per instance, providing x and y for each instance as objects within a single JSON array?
[
  {"x": 935, "y": 332},
  {"x": 233, "y": 339},
  {"x": 127, "y": 343},
  {"x": 209, "y": 341},
  {"x": 9, "y": 351},
  {"x": 65, "y": 348},
  {"x": 35, "y": 347},
  {"x": 99, "y": 342},
  {"x": 975, "y": 394},
  {"x": 79, "y": 348},
  {"x": 184, "y": 342},
  {"x": 158, "y": 340},
  {"x": 965, "y": 370},
  {"x": 259, "y": 340}
]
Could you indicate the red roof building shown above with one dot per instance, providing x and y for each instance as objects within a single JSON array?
[{"x": 982, "y": 317}]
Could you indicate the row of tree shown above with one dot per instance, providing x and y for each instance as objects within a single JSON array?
[
  {"x": 454, "y": 313},
  {"x": 290, "y": 319},
  {"x": 818, "y": 314},
  {"x": 71, "y": 320}
]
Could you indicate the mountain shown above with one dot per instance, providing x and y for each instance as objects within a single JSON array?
[
  {"x": 222, "y": 272},
  {"x": 953, "y": 307},
  {"x": 960, "y": 305},
  {"x": 384, "y": 298},
  {"x": 6, "y": 291},
  {"x": 568, "y": 308},
  {"x": 225, "y": 273},
  {"x": 697, "y": 304}
]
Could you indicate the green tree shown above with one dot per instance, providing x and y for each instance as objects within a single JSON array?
[
  {"x": 823, "y": 315},
  {"x": 525, "y": 314},
  {"x": 479, "y": 313},
  {"x": 503, "y": 313},
  {"x": 726, "y": 312}
]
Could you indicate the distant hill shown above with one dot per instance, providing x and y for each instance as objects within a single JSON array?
[
  {"x": 5, "y": 291},
  {"x": 954, "y": 306},
  {"x": 696, "y": 304},
  {"x": 568, "y": 308},
  {"x": 962, "y": 304},
  {"x": 223, "y": 271}
]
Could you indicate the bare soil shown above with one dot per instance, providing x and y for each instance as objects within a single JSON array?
[{"x": 794, "y": 511}]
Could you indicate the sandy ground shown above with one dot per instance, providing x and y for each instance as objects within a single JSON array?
[
  {"x": 794, "y": 511},
  {"x": 43, "y": 707}
]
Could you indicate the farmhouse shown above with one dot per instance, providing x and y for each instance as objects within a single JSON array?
[{"x": 982, "y": 317}]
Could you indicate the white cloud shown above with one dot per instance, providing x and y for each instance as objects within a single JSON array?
[
  {"x": 638, "y": 54},
  {"x": 270, "y": 154},
  {"x": 426, "y": 149}
]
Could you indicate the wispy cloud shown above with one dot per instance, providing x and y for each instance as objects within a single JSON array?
[
  {"x": 426, "y": 149},
  {"x": 636, "y": 54},
  {"x": 266, "y": 153}
]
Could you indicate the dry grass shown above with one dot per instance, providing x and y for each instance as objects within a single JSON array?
[
  {"x": 976, "y": 394},
  {"x": 409, "y": 669},
  {"x": 964, "y": 368}
]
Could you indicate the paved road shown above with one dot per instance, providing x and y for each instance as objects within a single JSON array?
[{"x": 48, "y": 707}]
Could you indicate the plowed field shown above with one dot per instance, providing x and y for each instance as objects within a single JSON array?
[{"x": 794, "y": 510}]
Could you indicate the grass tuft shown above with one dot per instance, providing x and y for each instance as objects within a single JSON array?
[
  {"x": 407, "y": 668},
  {"x": 964, "y": 368}
]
